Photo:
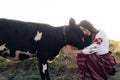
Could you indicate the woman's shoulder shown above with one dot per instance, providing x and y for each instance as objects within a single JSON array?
[{"x": 101, "y": 33}]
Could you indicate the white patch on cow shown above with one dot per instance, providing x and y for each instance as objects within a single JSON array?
[
  {"x": 18, "y": 52},
  {"x": 2, "y": 47},
  {"x": 38, "y": 36},
  {"x": 27, "y": 53},
  {"x": 6, "y": 51},
  {"x": 16, "y": 58},
  {"x": 44, "y": 67},
  {"x": 49, "y": 61},
  {"x": 57, "y": 56}
]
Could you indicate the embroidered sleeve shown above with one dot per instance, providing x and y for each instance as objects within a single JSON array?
[{"x": 93, "y": 47}]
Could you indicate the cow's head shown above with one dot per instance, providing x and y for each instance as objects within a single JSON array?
[{"x": 75, "y": 36}]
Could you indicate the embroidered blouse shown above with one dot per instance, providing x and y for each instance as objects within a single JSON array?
[{"x": 99, "y": 46}]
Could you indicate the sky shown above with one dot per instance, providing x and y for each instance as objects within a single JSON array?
[{"x": 103, "y": 14}]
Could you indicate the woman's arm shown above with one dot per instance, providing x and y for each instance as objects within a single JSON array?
[
  {"x": 71, "y": 49},
  {"x": 87, "y": 50},
  {"x": 100, "y": 43}
]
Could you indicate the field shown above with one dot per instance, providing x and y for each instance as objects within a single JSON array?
[{"x": 62, "y": 68}]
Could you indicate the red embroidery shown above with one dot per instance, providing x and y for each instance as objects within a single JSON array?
[{"x": 98, "y": 40}]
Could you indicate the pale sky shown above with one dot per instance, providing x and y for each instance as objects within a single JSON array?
[{"x": 103, "y": 14}]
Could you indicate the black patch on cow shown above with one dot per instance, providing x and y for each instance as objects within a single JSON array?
[
  {"x": 1, "y": 52},
  {"x": 5, "y": 55},
  {"x": 12, "y": 53},
  {"x": 23, "y": 56}
]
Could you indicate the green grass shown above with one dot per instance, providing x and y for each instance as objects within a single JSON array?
[
  {"x": 25, "y": 70},
  {"x": 63, "y": 68},
  {"x": 116, "y": 76}
]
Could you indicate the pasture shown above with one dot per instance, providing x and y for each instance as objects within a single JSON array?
[{"x": 63, "y": 68}]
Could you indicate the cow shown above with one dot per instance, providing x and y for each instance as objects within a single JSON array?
[{"x": 20, "y": 40}]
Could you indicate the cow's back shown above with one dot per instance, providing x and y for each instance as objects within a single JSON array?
[
  {"x": 21, "y": 35},
  {"x": 17, "y": 35}
]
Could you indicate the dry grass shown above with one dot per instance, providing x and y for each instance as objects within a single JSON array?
[{"x": 63, "y": 68}]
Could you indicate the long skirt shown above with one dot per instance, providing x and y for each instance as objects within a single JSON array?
[{"x": 95, "y": 67}]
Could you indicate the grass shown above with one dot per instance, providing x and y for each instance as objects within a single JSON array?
[
  {"x": 116, "y": 76},
  {"x": 63, "y": 68}
]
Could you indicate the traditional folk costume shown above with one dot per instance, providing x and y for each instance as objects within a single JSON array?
[{"x": 96, "y": 62}]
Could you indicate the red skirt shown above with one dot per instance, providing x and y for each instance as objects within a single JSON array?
[{"x": 95, "y": 67}]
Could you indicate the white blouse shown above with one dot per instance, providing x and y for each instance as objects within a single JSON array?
[{"x": 99, "y": 46}]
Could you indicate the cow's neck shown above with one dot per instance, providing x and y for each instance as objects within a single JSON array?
[{"x": 61, "y": 37}]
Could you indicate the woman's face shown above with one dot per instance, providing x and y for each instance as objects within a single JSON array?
[{"x": 85, "y": 31}]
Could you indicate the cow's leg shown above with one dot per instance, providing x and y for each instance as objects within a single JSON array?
[
  {"x": 43, "y": 67},
  {"x": 47, "y": 73}
]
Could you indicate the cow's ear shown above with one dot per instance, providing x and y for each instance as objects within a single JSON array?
[{"x": 72, "y": 22}]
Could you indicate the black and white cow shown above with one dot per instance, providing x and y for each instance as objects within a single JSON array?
[{"x": 20, "y": 40}]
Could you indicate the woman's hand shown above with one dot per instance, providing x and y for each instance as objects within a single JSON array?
[{"x": 71, "y": 49}]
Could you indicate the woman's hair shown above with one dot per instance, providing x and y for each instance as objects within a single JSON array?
[{"x": 86, "y": 24}]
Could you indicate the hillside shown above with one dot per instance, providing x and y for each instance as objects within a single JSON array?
[{"x": 114, "y": 45}]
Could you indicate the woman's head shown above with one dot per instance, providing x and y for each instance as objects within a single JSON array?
[{"x": 87, "y": 28}]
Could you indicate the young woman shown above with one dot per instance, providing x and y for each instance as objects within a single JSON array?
[{"x": 95, "y": 61}]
